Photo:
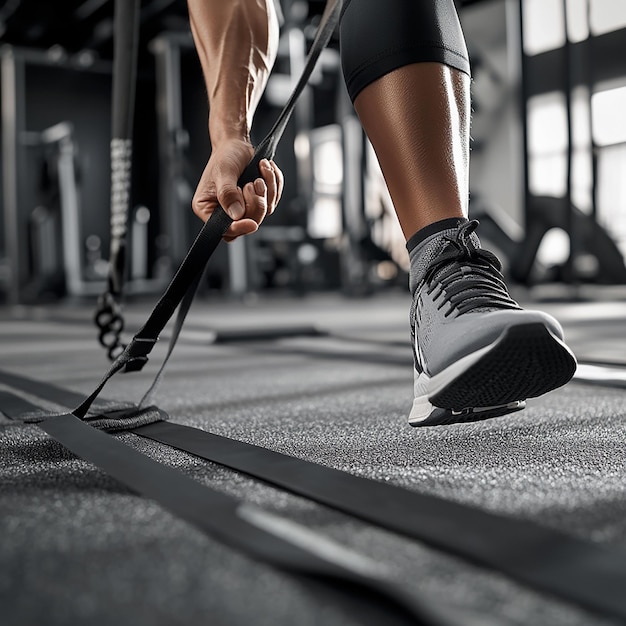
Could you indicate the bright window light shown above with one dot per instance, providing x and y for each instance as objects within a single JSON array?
[
  {"x": 544, "y": 21},
  {"x": 547, "y": 146},
  {"x": 547, "y": 123},
  {"x": 544, "y": 27},
  {"x": 326, "y": 150},
  {"x": 547, "y": 175},
  {"x": 328, "y": 163},
  {"x": 577, "y": 23},
  {"x": 581, "y": 119},
  {"x": 547, "y": 142},
  {"x": 612, "y": 192},
  {"x": 581, "y": 180},
  {"x": 554, "y": 248},
  {"x": 324, "y": 219},
  {"x": 607, "y": 16},
  {"x": 609, "y": 121}
]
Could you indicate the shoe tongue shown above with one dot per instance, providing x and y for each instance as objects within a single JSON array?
[{"x": 423, "y": 255}]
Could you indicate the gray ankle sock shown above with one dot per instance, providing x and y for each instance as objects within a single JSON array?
[{"x": 427, "y": 244}]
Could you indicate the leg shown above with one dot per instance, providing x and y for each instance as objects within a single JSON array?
[
  {"x": 477, "y": 354},
  {"x": 407, "y": 71},
  {"x": 417, "y": 119}
]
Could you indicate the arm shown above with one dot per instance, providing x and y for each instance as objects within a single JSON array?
[{"x": 236, "y": 42}]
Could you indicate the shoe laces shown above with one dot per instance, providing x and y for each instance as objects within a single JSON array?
[{"x": 467, "y": 277}]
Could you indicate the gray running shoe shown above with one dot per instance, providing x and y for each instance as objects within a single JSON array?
[{"x": 477, "y": 353}]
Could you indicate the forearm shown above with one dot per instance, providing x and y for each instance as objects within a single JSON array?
[{"x": 236, "y": 42}]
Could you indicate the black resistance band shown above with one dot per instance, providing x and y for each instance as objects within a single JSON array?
[
  {"x": 183, "y": 286},
  {"x": 264, "y": 536},
  {"x": 109, "y": 318},
  {"x": 587, "y": 574}
]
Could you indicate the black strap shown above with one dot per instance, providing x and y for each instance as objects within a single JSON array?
[
  {"x": 135, "y": 355},
  {"x": 587, "y": 574},
  {"x": 243, "y": 527},
  {"x": 185, "y": 281}
]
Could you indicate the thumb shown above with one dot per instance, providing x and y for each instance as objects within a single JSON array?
[{"x": 231, "y": 199}]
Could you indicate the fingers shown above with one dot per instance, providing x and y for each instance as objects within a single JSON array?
[
  {"x": 255, "y": 197},
  {"x": 274, "y": 180},
  {"x": 255, "y": 203},
  {"x": 269, "y": 177},
  {"x": 280, "y": 183},
  {"x": 261, "y": 197},
  {"x": 260, "y": 200}
]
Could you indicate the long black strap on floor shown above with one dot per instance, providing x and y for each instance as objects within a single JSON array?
[
  {"x": 266, "y": 537},
  {"x": 589, "y": 575}
]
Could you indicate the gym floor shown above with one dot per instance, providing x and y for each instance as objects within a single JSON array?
[{"x": 77, "y": 547}]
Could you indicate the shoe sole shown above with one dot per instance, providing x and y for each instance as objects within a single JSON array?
[{"x": 526, "y": 361}]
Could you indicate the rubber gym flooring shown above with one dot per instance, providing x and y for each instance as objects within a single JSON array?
[{"x": 76, "y": 547}]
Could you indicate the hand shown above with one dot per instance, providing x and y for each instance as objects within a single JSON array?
[{"x": 218, "y": 185}]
